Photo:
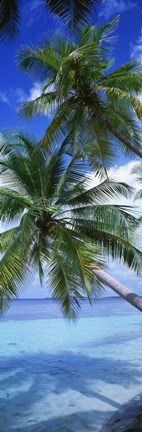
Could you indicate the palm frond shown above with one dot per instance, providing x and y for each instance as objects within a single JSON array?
[
  {"x": 63, "y": 287},
  {"x": 7, "y": 237},
  {"x": 138, "y": 170},
  {"x": 71, "y": 273},
  {"x": 138, "y": 195},
  {"x": 12, "y": 207},
  {"x": 128, "y": 77},
  {"x": 120, "y": 95},
  {"x": 73, "y": 173},
  {"x": 105, "y": 35},
  {"x": 98, "y": 194},
  {"x": 121, "y": 124},
  {"x": 9, "y": 193},
  {"x": 23, "y": 173},
  {"x": 112, "y": 216},
  {"x": 13, "y": 269},
  {"x": 60, "y": 126},
  {"x": 36, "y": 260},
  {"x": 115, "y": 246},
  {"x": 46, "y": 103},
  {"x": 53, "y": 174},
  {"x": 9, "y": 18},
  {"x": 40, "y": 62},
  {"x": 74, "y": 13}
]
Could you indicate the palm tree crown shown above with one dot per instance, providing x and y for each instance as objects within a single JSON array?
[
  {"x": 91, "y": 104},
  {"x": 62, "y": 225}
]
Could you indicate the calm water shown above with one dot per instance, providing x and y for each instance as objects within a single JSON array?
[
  {"x": 47, "y": 308},
  {"x": 58, "y": 376}
]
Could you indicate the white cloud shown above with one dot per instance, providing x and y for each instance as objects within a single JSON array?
[
  {"x": 33, "y": 10},
  {"x": 136, "y": 48},
  {"x": 35, "y": 91},
  {"x": 124, "y": 174},
  {"x": 14, "y": 97},
  {"x": 20, "y": 95},
  {"x": 118, "y": 270},
  {"x": 4, "y": 98},
  {"x": 127, "y": 277},
  {"x": 113, "y": 7}
]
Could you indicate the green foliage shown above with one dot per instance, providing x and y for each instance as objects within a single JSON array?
[
  {"x": 91, "y": 105},
  {"x": 64, "y": 227}
]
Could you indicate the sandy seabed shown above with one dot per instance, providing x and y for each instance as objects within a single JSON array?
[{"x": 61, "y": 377}]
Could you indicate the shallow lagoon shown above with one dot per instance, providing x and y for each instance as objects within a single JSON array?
[{"x": 58, "y": 376}]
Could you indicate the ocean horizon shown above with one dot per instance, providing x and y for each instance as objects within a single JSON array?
[
  {"x": 63, "y": 376},
  {"x": 22, "y": 309}
]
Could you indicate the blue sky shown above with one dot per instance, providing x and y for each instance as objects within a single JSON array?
[{"x": 16, "y": 87}]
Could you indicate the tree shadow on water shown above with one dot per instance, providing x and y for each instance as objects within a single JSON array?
[
  {"x": 59, "y": 392},
  {"x": 82, "y": 421}
]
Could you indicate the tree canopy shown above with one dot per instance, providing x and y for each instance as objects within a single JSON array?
[
  {"x": 63, "y": 228},
  {"x": 90, "y": 103}
]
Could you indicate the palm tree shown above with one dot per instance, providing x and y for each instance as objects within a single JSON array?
[
  {"x": 73, "y": 14},
  {"x": 83, "y": 94},
  {"x": 63, "y": 228}
]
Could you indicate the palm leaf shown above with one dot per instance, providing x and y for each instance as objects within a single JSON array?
[
  {"x": 108, "y": 188},
  {"x": 120, "y": 95},
  {"x": 9, "y": 193},
  {"x": 115, "y": 246},
  {"x": 74, "y": 13},
  {"x": 138, "y": 195},
  {"x": 103, "y": 35},
  {"x": 11, "y": 208},
  {"x": 70, "y": 284},
  {"x": 13, "y": 270},
  {"x": 9, "y": 18},
  {"x": 128, "y": 77},
  {"x": 63, "y": 287},
  {"x": 7, "y": 237},
  {"x": 60, "y": 127},
  {"x": 46, "y": 103},
  {"x": 39, "y": 62}
]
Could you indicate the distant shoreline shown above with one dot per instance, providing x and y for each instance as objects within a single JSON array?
[{"x": 51, "y": 299}]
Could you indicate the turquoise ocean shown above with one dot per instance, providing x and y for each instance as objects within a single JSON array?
[{"x": 59, "y": 376}]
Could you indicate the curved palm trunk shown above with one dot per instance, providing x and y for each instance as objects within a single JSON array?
[{"x": 119, "y": 288}]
